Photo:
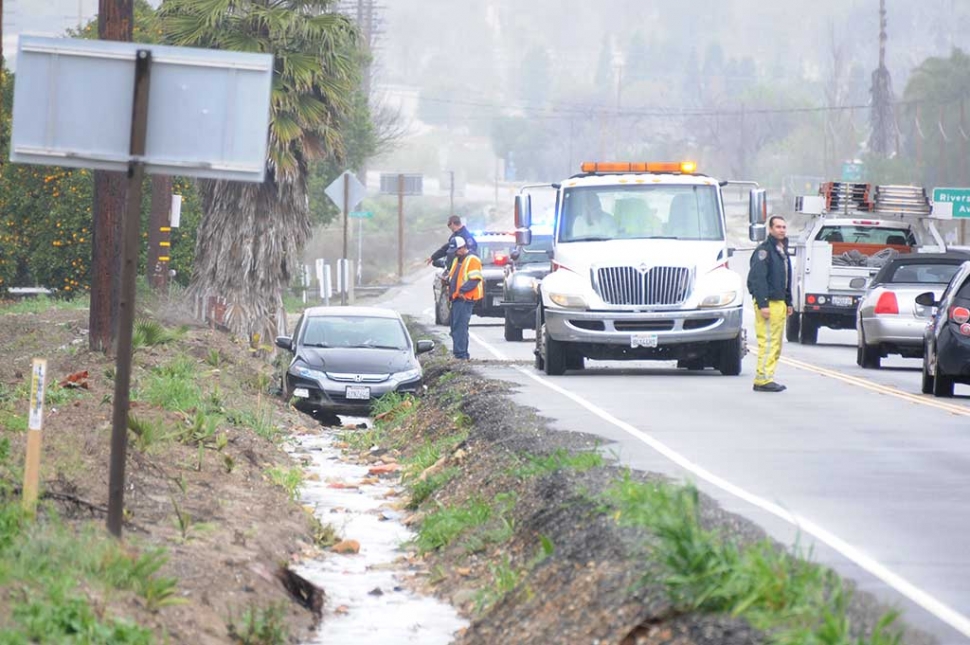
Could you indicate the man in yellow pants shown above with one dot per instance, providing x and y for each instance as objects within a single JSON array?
[{"x": 769, "y": 282}]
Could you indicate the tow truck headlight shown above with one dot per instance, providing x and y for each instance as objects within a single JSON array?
[
  {"x": 719, "y": 299},
  {"x": 568, "y": 300}
]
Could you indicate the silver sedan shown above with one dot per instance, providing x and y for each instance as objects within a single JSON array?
[{"x": 889, "y": 321}]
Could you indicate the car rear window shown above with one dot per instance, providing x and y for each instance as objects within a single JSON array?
[
  {"x": 859, "y": 234},
  {"x": 490, "y": 252},
  {"x": 913, "y": 273}
]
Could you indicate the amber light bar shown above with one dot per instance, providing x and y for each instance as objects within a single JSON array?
[{"x": 685, "y": 167}]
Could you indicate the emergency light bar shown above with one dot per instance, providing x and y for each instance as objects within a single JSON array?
[{"x": 595, "y": 167}]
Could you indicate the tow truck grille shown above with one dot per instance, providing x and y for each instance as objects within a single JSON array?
[{"x": 633, "y": 286}]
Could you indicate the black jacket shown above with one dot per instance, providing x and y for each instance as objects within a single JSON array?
[
  {"x": 770, "y": 274},
  {"x": 469, "y": 242}
]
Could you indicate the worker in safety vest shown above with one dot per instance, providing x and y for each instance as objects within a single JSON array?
[
  {"x": 466, "y": 287},
  {"x": 769, "y": 281}
]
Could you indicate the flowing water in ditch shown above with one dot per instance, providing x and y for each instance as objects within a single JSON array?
[{"x": 367, "y": 599}]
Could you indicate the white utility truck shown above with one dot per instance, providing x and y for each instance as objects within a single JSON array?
[
  {"x": 639, "y": 269},
  {"x": 854, "y": 229}
]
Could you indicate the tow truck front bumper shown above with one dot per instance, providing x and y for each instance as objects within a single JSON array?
[{"x": 619, "y": 327}]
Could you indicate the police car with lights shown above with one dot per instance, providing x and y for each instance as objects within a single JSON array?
[
  {"x": 639, "y": 269},
  {"x": 520, "y": 294}
]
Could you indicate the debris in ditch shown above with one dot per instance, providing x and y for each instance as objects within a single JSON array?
[
  {"x": 303, "y": 591},
  {"x": 346, "y": 546}
]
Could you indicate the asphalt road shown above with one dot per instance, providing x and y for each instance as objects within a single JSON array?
[{"x": 854, "y": 464}]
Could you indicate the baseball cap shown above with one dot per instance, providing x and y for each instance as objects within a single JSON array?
[{"x": 457, "y": 242}]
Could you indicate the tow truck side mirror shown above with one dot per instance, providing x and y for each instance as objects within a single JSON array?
[
  {"x": 515, "y": 255},
  {"x": 757, "y": 214},
  {"x": 523, "y": 212}
]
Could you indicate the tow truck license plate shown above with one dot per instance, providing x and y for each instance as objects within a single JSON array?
[
  {"x": 842, "y": 301},
  {"x": 357, "y": 392},
  {"x": 643, "y": 340}
]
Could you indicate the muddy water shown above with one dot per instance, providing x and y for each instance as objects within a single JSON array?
[{"x": 367, "y": 595}]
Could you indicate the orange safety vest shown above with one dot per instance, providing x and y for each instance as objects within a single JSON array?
[{"x": 469, "y": 268}]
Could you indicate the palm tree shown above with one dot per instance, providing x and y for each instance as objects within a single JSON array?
[{"x": 251, "y": 237}]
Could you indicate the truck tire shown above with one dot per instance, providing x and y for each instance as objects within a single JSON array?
[
  {"x": 553, "y": 354},
  {"x": 513, "y": 334},
  {"x": 927, "y": 379},
  {"x": 730, "y": 355},
  {"x": 942, "y": 384},
  {"x": 809, "y": 325},
  {"x": 537, "y": 352},
  {"x": 867, "y": 356},
  {"x": 793, "y": 327},
  {"x": 575, "y": 361}
]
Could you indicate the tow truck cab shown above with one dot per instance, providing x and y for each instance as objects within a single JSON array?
[{"x": 639, "y": 270}]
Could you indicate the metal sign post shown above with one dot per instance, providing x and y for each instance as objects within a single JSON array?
[{"x": 126, "y": 306}]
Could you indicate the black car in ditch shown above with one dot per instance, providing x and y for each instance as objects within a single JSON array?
[
  {"x": 528, "y": 267},
  {"x": 946, "y": 341},
  {"x": 346, "y": 357}
]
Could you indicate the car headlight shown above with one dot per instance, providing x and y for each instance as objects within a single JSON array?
[
  {"x": 719, "y": 299},
  {"x": 306, "y": 372},
  {"x": 408, "y": 375},
  {"x": 568, "y": 300}
]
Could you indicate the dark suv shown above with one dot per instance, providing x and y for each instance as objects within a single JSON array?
[
  {"x": 519, "y": 296},
  {"x": 946, "y": 341},
  {"x": 494, "y": 250}
]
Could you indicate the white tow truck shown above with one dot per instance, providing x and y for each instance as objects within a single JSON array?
[
  {"x": 639, "y": 270},
  {"x": 854, "y": 229}
]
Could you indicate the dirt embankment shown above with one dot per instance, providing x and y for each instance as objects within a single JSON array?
[
  {"x": 540, "y": 538},
  {"x": 202, "y": 461}
]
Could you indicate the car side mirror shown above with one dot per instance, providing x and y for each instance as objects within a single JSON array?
[
  {"x": 284, "y": 342},
  {"x": 515, "y": 255},
  {"x": 730, "y": 251},
  {"x": 927, "y": 300},
  {"x": 857, "y": 283},
  {"x": 440, "y": 263},
  {"x": 423, "y": 346}
]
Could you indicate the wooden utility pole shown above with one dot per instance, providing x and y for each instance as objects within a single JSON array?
[
  {"x": 115, "y": 22},
  {"x": 159, "y": 236}
]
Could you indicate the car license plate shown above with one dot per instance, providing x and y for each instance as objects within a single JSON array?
[
  {"x": 301, "y": 392},
  {"x": 357, "y": 392},
  {"x": 643, "y": 340},
  {"x": 842, "y": 301}
]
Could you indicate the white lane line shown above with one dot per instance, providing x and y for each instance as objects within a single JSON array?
[
  {"x": 941, "y": 610},
  {"x": 488, "y": 346}
]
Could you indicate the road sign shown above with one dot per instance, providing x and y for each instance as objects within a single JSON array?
[
  {"x": 413, "y": 184},
  {"x": 362, "y": 214},
  {"x": 209, "y": 109},
  {"x": 356, "y": 191},
  {"x": 959, "y": 197},
  {"x": 852, "y": 171}
]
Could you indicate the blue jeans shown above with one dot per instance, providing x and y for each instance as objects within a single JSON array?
[{"x": 461, "y": 315}]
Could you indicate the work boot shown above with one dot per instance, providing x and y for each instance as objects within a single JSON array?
[{"x": 771, "y": 386}]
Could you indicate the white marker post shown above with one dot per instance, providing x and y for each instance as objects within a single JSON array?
[{"x": 36, "y": 421}]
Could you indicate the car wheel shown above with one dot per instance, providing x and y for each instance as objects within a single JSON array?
[
  {"x": 942, "y": 384},
  {"x": 553, "y": 353},
  {"x": 927, "y": 378},
  {"x": 442, "y": 311},
  {"x": 867, "y": 356},
  {"x": 513, "y": 334},
  {"x": 730, "y": 356},
  {"x": 792, "y": 328},
  {"x": 809, "y": 331}
]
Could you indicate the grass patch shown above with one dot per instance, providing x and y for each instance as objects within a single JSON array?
[
  {"x": 147, "y": 433},
  {"x": 51, "y": 564},
  {"x": 260, "y": 422},
  {"x": 791, "y": 598},
  {"x": 40, "y": 304},
  {"x": 429, "y": 454},
  {"x": 289, "y": 479},
  {"x": 560, "y": 459},
  {"x": 173, "y": 386},
  {"x": 260, "y": 626},
  {"x": 443, "y": 526},
  {"x": 422, "y": 489},
  {"x": 504, "y": 578},
  {"x": 149, "y": 333},
  {"x": 324, "y": 535}
]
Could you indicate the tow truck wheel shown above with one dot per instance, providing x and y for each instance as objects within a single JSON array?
[
  {"x": 575, "y": 361},
  {"x": 729, "y": 360},
  {"x": 553, "y": 354},
  {"x": 792, "y": 328},
  {"x": 513, "y": 334},
  {"x": 809, "y": 330},
  {"x": 942, "y": 384},
  {"x": 867, "y": 356}
]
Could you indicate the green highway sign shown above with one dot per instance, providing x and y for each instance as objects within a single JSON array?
[
  {"x": 959, "y": 197},
  {"x": 852, "y": 171},
  {"x": 362, "y": 214}
]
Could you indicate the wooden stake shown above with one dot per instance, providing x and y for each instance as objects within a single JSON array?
[{"x": 36, "y": 422}]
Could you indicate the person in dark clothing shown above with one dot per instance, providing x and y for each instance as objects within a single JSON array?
[
  {"x": 769, "y": 281},
  {"x": 457, "y": 230}
]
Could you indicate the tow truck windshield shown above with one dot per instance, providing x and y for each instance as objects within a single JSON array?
[{"x": 633, "y": 212}]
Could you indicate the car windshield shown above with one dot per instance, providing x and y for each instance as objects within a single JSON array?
[
  {"x": 632, "y": 212},
  {"x": 494, "y": 252},
  {"x": 859, "y": 234},
  {"x": 537, "y": 252},
  {"x": 914, "y": 273},
  {"x": 354, "y": 331}
]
